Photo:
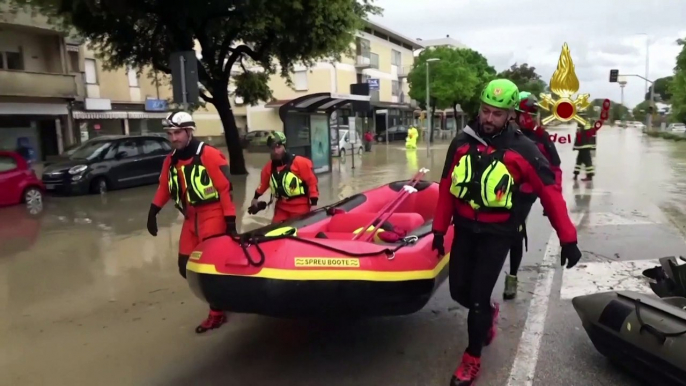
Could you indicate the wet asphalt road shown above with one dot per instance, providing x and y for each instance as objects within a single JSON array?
[{"x": 88, "y": 297}]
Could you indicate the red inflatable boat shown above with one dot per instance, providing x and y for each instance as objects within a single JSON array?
[{"x": 312, "y": 267}]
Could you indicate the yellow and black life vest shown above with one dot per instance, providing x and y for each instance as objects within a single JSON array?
[
  {"x": 483, "y": 181},
  {"x": 199, "y": 187},
  {"x": 285, "y": 184}
]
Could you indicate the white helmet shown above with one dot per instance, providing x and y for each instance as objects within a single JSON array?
[{"x": 178, "y": 120}]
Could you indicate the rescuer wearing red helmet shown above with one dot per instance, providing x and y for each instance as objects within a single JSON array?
[
  {"x": 525, "y": 118},
  {"x": 291, "y": 180},
  {"x": 196, "y": 177}
]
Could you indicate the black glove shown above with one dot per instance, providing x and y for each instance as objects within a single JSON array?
[
  {"x": 183, "y": 260},
  {"x": 253, "y": 209},
  {"x": 152, "y": 219},
  {"x": 437, "y": 244},
  {"x": 231, "y": 225},
  {"x": 570, "y": 255},
  {"x": 313, "y": 201}
]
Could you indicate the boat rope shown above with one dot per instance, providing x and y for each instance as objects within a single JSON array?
[
  {"x": 660, "y": 335},
  {"x": 247, "y": 240}
]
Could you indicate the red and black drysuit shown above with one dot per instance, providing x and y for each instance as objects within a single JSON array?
[
  {"x": 483, "y": 238},
  {"x": 546, "y": 146}
]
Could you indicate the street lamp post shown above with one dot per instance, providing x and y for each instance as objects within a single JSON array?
[
  {"x": 622, "y": 83},
  {"x": 429, "y": 116}
]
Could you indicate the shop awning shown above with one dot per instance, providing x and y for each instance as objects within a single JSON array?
[{"x": 119, "y": 115}]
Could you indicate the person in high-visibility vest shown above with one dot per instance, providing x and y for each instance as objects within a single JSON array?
[
  {"x": 195, "y": 176},
  {"x": 291, "y": 180},
  {"x": 411, "y": 140},
  {"x": 584, "y": 143}
]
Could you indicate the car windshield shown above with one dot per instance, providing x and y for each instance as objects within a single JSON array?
[{"x": 90, "y": 150}]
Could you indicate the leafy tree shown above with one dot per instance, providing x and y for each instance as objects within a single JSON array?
[
  {"x": 617, "y": 110},
  {"x": 455, "y": 79},
  {"x": 640, "y": 112},
  {"x": 662, "y": 89},
  {"x": 525, "y": 78},
  {"x": 144, "y": 33},
  {"x": 678, "y": 86}
]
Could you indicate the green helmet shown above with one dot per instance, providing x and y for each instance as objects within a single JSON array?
[
  {"x": 276, "y": 138},
  {"x": 527, "y": 102},
  {"x": 500, "y": 93}
]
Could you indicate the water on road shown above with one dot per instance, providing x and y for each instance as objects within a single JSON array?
[{"x": 87, "y": 296}]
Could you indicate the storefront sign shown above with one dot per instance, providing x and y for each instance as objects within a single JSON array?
[
  {"x": 373, "y": 84},
  {"x": 155, "y": 105}
]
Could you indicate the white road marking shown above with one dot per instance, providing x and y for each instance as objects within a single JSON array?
[
  {"x": 603, "y": 276},
  {"x": 597, "y": 219},
  {"x": 526, "y": 359}
]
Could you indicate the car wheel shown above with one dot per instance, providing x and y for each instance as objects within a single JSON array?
[
  {"x": 342, "y": 153},
  {"x": 99, "y": 185},
  {"x": 379, "y": 139},
  {"x": 33, "y": 197},
  {"x": 360, "y": 150}
]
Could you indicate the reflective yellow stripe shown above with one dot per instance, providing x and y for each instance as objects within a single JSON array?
[{"x": 328, "y": 274}]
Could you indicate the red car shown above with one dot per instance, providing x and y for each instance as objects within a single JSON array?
[{"x": 18, "y": 182}]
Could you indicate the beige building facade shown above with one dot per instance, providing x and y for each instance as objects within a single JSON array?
[
  {"x": 56, "y": 93},
  {"x": 38, "y": 84}
]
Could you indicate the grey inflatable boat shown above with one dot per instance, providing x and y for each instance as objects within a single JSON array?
[{"x": 643, "y": 333}]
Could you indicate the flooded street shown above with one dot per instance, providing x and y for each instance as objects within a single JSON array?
[{"x": 88, "y": 297}]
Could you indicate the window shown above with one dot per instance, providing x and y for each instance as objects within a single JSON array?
[
  {"x": 111, "y": 152},
  {"x": 300, "y": 80},
  {"x": 166, "y": 146},
  {"x": 12, "y": 60},
  {"x": 130, "y": 147},
  {"x": 396, "y": 58},
  {"x": 152, "y": 147},
  {"x": 364, "y": 47},
  {"x": 133, "y": 77},
  {"x": 73, "y": 61},
  {"x": 395, "y": 88},
  {"x": 7, "y": 164},
  {"x": 91, "y": 71},
  {"x": 374, "y": 60}
]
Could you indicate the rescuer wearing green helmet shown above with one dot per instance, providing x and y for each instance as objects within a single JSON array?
[
  {"x": 485, "y": 165},
  {"x": 291, "y": 180}
]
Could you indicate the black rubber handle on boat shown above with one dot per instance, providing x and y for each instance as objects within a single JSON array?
[{"x": 660, "y": 335}]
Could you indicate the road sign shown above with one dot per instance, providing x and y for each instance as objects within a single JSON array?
[
  {"x": 614, "y": 74},
  {"x": 373, "y": 83}
]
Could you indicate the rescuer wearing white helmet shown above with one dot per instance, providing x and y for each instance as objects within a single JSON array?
[{"x": 195, "y": 176}]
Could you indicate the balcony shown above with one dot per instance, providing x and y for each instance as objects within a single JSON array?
[
  {"x": 25, "y": 19},
  {"x": 403, "y": 72},
  {"x": 363, "y": 61},
  {"x": 37, "y": 84}
]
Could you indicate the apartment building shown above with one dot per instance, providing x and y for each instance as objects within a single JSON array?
[
  {"x": 447, "y": 41},
  {"x": 382, "y": 58},
  {"x": 38, "y": 83}
]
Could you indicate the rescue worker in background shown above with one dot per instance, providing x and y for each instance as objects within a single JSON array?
[
  {"x": 584, "y": 144},
  {"x": 525, "y": 114},
  {"x": 291, "y": 179},
  {"x": 368, "y": 140},
  {"x": 411, "y": 140},
  {"x": 485, "y": 165},
  {"x": 195, "y": 176}
]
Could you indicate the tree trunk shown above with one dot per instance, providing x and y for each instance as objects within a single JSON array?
[
  {"x": 233, "y": 142},
  {"x": 457, "y": 128},
  {"x": 431, "y": 129}
]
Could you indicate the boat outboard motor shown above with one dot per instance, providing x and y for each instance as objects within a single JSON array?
[{"x": 669, "y": 278}]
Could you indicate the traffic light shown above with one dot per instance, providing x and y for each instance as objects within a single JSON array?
[{"x": 614, "y": 74}]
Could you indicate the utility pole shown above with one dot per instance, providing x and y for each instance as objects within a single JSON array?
[{"x": 622, "y": 83}]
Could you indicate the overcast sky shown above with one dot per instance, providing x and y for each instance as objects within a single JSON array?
[{"x": 602, "y": 34}]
